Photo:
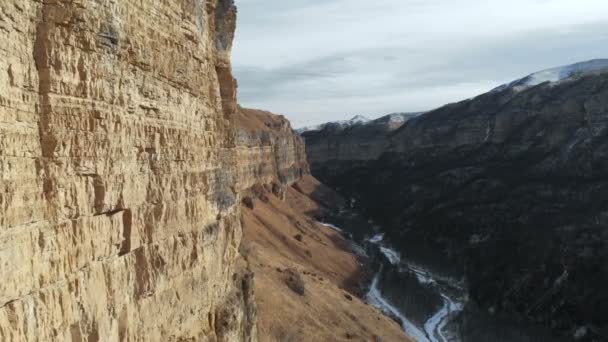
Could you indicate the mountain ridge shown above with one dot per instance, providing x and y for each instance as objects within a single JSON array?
[
  {"x": 558, "y": 74},
  {"x": 463, "y": 186}
]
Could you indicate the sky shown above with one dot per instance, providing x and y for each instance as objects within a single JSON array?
[{"x": 325, "y": 60}]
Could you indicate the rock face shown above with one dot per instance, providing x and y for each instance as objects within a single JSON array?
[
  {"x": 268, "y": 150},
  {"x": 362, "y": 141},
  {"x": 119, "y": 215},
  {"x": 507, "y": 189}
]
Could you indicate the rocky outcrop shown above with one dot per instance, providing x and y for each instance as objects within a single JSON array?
[
  {"x": 268, "y": 152},
  {"x": 119, "y": 216},
  {"x": 508, "y": 190}
]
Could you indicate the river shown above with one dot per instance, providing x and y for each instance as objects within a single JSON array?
[
  {"x": 434, "y": 328},
  {"x": 430, "y": 306}
]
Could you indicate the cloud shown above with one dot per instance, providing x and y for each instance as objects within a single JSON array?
[{"x": 324, "y": 60}]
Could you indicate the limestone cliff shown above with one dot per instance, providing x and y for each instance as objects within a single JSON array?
[
  {"x": 118, "y": 196},
  {"x": 268, "y": 150}
]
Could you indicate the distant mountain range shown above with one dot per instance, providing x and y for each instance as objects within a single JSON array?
[
  {"x": 394, "y": 121},
  {"x": 556, "y": 75}
]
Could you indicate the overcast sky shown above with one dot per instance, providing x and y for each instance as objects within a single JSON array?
[{"x": 324, "y": 60}]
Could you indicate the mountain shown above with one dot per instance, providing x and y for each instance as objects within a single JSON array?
[
  {"x": 392, "y": 121},
  {"x": 355, "y": 120},
  {"x": 560, "y": 74},
  {"x": 352, "y": 142},
  {"x": 507, "y": 190}
]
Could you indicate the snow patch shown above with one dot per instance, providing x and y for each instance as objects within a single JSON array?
[
  {"x": 559, "y": 74},
  {"x": 355, "y": 120},
  {"x": 393, "y": 256},
  {"x": 375, "y": 298},
  {"x": 329, "y": 225},
  {"x": 377, "y": 238}
]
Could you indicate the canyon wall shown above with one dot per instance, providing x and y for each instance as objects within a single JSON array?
[
  {"x": 268, "y": 151},
  {"x": 506, "y": 190},
  {"x": 354, "y": 143},
  {"x": 119, "y": 216}
]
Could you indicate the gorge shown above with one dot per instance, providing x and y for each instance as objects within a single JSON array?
[{"x": 504, "y": 190}]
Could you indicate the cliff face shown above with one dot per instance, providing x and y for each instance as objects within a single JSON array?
[
  {"x": 353, "y": 143},
  {"x": 268, "y": 150},
  {"x": 118, "y": 196},
  {"x": 507, "y": 189}
]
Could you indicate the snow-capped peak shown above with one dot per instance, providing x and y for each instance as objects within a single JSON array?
[
  {"x": 355, "y": 120},
  {"x": 559, "y": 74},
  {"x": 358, "y": 119},
  {"x": 400, "y": 117}
]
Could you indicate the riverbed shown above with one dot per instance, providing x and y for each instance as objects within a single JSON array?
[
  {"x": 430, "y": 306},
  {"x": 435, "y": 327},
  {"x": 431, "y": 326}
]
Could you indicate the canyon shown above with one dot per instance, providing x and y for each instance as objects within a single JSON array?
[
  {"x": 309, "y": 282},
  {"x": 504, "y": 191}
]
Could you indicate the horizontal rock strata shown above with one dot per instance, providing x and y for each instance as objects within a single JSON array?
[{"x": 118, "y": 200}]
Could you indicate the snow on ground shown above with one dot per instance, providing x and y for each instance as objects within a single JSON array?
[
  {"x": 435, "y": 326},
  {"x": 393, "y": 256},
  {"x": 329, "y": 225},
  {"x": 374, "y": 298},
  {"x": 433, "y": 330},
  {"x": 376, "y": 238},
  {"x": 559, "y": 74},
  {"x": 422, "y": 276},
  {"x": 357, "y": 119}
]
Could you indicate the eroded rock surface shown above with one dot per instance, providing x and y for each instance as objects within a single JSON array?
[
  {"x": 118, "y": 198},
  {"x": 269, "y": 152}
]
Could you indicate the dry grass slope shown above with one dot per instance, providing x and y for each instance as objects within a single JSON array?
[{"x": 282, "y": 240}]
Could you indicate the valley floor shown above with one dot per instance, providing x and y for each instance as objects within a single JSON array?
[{"x": 308, "y": 281}]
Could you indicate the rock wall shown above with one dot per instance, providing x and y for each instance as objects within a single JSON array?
[
  {"x": 352, "y": 144},
  {"x": 118, "y": 198},
  {"x": 268, "y": 151},
  {"x": 359, "y": 143}
]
